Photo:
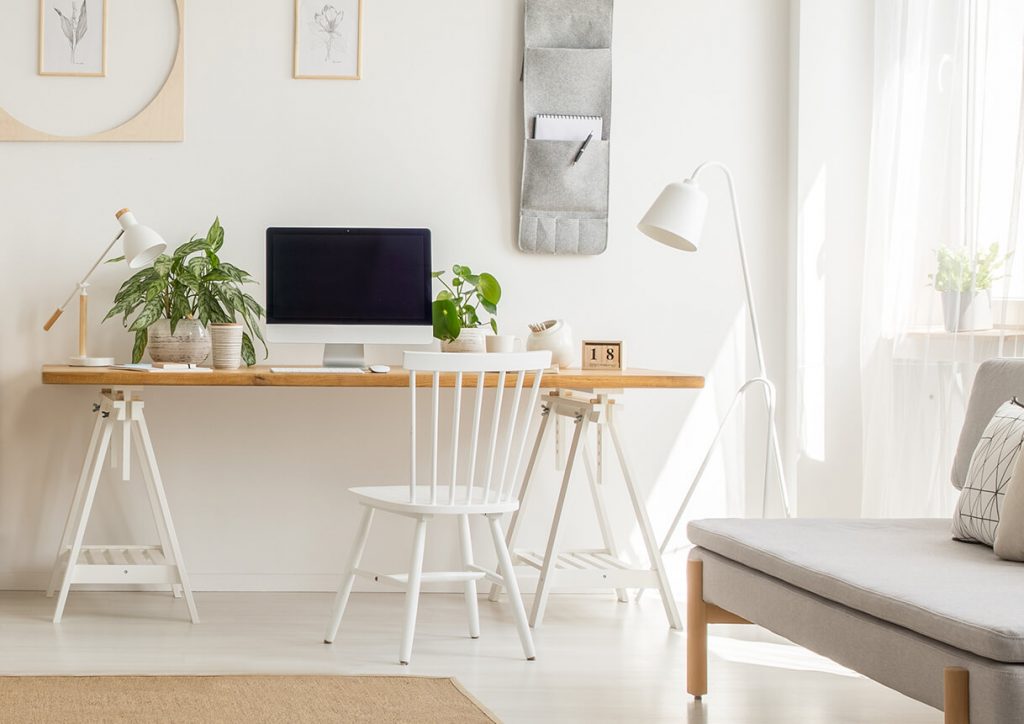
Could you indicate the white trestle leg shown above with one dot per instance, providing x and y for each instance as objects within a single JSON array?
[{"x": 119, "y": 564}]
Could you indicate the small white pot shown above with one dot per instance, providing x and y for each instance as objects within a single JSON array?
[
  {"x": 501, "y": 343},
  {"x": 190, "y": 343},
  {"x": 557, "y": 338},
  {"x": 227, "y": 346},
  {"x": 967, "y": 311},
  {"x": 469, "y": 340}
]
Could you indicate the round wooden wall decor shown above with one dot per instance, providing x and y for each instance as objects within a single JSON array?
[{"x": 162, "y": 120}]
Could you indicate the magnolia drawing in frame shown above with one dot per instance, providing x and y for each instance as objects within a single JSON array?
[
  {"x": 73, "y": 37},
  {"x": 328, "y": 39}
]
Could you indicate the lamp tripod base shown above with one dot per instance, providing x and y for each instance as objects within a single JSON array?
[{"x": 81, "y": 361}]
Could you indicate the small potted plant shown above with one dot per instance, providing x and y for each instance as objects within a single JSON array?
[
  {"x": 179, "y": 295},
  {"x": 456, "y": 310},
  {"x": 965, "y": 284}
]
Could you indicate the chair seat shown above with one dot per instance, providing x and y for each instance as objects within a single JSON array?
[{"x": 396, "y": 498}]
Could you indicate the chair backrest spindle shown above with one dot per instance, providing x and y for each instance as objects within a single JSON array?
[
  {"x": 487, "y": 482},
  {"x": 456, "y": 414}
]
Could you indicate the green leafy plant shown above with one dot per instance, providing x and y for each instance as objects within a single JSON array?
[
  {"x": 957, "y": 271},
  {"x": 191, "y": 283},
  {"x": 458, "y": 305}
]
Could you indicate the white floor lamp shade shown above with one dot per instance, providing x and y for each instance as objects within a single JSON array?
[
  {"x": 141, "y": 246},
  {"x": 676, "y": 218}
]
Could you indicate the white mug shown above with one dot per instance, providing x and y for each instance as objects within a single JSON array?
[{"x": 501, "y": 343}]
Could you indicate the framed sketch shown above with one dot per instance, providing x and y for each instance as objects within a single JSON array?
[
  {"x": 73, "y": 37},
  {"x": 328, "y": 39}
]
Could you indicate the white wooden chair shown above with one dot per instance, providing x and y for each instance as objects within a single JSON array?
[{"x": 488, "y": 489}]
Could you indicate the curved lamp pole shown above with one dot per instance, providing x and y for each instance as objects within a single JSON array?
[{"x": 676, "y": 219}]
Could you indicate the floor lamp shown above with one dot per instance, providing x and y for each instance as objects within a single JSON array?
[
  {"x": 141, "y": 245},
  {"x": 676, "y": 219}
]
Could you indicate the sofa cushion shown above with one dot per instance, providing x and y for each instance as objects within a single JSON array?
[
  {"x": 976, "y": 517},
  {"x": 907, "y": 572},
  {"x": 996, "y": 381}
]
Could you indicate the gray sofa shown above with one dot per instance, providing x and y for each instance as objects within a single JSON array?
[{"x": 896, "y": 600}]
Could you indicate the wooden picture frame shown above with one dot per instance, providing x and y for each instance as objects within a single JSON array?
[
  {"x": 79, "y": 18},
  {"x": 163, "y": 119},
  {"x": 338, "y": 27},
  {"x": 602, "y": 355}
]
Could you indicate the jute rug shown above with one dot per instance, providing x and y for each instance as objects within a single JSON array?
[{"x": 110, "y": 699}]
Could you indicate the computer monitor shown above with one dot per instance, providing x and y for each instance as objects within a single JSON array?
[{"x": 348, "y": 287}]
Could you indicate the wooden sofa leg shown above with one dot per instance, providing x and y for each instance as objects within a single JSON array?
[
  {"x": 696, "y": 631},
  {"x": 956, "y": 704}
]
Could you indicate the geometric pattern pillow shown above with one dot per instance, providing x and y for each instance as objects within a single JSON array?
[{"x": 988, "y": 476}]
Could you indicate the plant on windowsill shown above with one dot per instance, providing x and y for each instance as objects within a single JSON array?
[
  {"x": 965, "y": 284},
  {"x": 183, "y": 292},
  {"x": 456, "y": 310}
]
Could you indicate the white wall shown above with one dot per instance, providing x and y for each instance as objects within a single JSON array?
[
  {"x": 832, "y": 115},
  {"x": 430, "y": 137}
]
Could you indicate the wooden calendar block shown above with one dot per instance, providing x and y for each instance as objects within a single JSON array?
[{"x": 602, "y": 355}]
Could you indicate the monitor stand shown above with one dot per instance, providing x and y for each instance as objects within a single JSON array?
[{"x": 344, "y": 355}]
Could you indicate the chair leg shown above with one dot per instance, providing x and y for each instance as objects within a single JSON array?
[
  {"x": 511, "y": 585},
  {"x": 696, "y": 631},
  {"x": 956, "y": 695},
  {"x": 412, "y": 591},
  {"x": 341, "y": 600},
  {"x": 472, "y": 605}
]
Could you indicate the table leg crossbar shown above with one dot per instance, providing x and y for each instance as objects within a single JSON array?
[
  {"x": 161, "y": 564},
  {"x": 591, "y": 568}
]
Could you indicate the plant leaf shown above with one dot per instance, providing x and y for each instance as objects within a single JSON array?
[
  {"x": 65, "y": 26},
  {"x": 83, "y": 24},
  {"x": 489, "y": 288},
  {"x": 494, "y": 325},
  {"x": 248, "y": 352},
  {"x": 141, "y": 340},
  {"x": 215, "y": 236},
  {"x": 447, "y": 324},
  {"x": 149, "y": 314},
  {"x": 115, "y": 260}
]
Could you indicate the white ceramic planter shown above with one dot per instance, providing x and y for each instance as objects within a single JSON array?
[
  {"x": 227, "y": 346},
  {"x": 556, "y": 337},
  {"x": 470, "y": 340},
  {"x": 967, "y": 311},
  {"x": 190, "y": 343}
]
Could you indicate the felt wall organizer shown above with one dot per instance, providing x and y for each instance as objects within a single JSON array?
[{"x": 567, "y": 70}]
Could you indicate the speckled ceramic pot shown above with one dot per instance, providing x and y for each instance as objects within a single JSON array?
[{"x": 190, "y": 342}]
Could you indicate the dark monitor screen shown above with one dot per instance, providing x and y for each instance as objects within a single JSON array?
[{"x": 348, "y": 276}]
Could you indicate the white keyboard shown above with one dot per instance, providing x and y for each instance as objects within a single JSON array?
[{"x": 319, "y": 370}]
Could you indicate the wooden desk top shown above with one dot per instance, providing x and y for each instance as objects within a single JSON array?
[{"x": 261, "y": 376}]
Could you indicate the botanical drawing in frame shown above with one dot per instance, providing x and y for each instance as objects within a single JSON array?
[
  {"x": 73, "y": 38},
  {"x": 328, "y": 39}
]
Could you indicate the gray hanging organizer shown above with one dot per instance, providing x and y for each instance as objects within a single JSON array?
[{"x": 567, "y": 70}]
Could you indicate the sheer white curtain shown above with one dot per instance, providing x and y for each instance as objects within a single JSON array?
[{"x": 944, "y": 181}]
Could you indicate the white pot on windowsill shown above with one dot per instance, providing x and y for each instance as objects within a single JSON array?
[{"x": 969, "y": 311}]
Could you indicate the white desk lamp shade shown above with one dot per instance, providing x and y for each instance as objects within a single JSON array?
[
  {"x": 676, "y": 218},
  {"x": 140, "y": 243}
]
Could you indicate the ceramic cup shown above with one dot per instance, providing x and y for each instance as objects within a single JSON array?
[
  {"x": 501, "y": 343},
  {"x": 227, "y": 346}
]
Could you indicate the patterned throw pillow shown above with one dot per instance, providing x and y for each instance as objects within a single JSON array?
[{"x": 988, "y": 477}]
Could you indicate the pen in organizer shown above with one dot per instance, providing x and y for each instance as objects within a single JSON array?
[{"x": 583, "y": 148}]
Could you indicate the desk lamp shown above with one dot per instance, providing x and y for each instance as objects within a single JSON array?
[
  {"x": 141, "y": 246},
  {"x": 676, "y": 219}
]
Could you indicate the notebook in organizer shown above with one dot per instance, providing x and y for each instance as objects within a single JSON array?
[{"x": 549, "y": 127}]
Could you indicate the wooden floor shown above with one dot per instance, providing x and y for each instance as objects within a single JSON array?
[{"x": 597, "y": 660}]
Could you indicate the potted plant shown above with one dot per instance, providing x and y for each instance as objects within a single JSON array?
[
  {"x": 456, "y": 310},
  {"x": 965, "y": 284},
  {"x": 180, "y": 294}
]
